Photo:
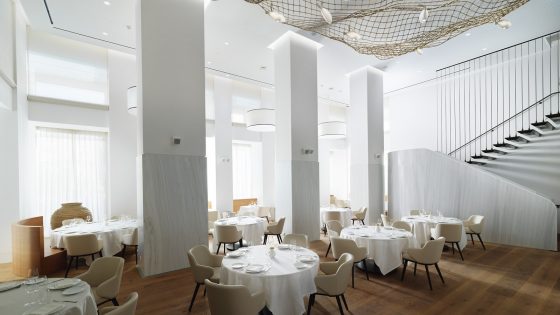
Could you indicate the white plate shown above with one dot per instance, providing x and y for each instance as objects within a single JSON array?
[
  {"x": 235, "y": 254},
  {"x": 306, "y": 258},
  {"x": 63, "y": 284},
  {"x": 284, "y": 246},
  {"x": 74, "y": 290},
  {"x": 238, "y": 265},
  {"x": 9, "y": 285},
  {"x": 254, "y": 268},
  {"x": 50, "y": 308},
  {"x": 300, "y": 265}
]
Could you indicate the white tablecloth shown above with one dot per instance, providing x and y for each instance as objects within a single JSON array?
[
  {"x": 423, "y": 224},
  {"x": 258, "y": 211},
  {"x": 110, "y": 232},
  {"x": 13, "y": 301},
  {"x": 283, "y": 284},
  {"x": 252, "y": 228},
  {"x": 345, "y": 215},
  {"x": 384, "y": 246}
]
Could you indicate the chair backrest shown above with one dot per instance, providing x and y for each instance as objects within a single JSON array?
[
  {"x": 226, "y": 233},
  {"x": 431, "y": 252},
  {"x": 332, "y": 216},
  {"x": 296, "y": 239},
  {"x": 414, "y": 212},
  {"x": 81, "y": 244},
  {"x": 278, "y": 227},
  {"x": 199, "y": 260},
  {"x": 127, "y": 308},
  {"x": 402, "y": 225},
  {"x": 361, "y": 215},
  {"x": 335, "y": 226},
  {"x": 343, "y": 276},
  {"x": 212, "y": 215},
  {"x": 105, "y": 273},
  {"x": 385, "y": 220},
  {"x": 134, "y": 238},
  {"x": 343, "y": 245},
  {"x": 476, "y": 223},
  {"x": 232, "y": 299},
  {"x": 451, "y": 231}
]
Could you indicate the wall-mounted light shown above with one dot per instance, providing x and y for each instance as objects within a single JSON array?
[
  {"x": 307, "y": 151},
  {"x": 332, "y": 130},
  {"x": 132, "y": 100},
  {"x": 261, "y": 119}
]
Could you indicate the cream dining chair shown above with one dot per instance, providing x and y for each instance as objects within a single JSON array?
[
  {"x": 333, "y": 228},
  {"x": 474, "y": 225},
  {"x": 81, "y": 245},
  {"x": 233, "y": 299},
  {"x": 428, "y": 255},
  {"x": 131, "y": 240},
  {"x": 296, "y": 239},
  {"x": 360, "y": 215},
  {"x": 452, "y": 234},
  {"x": 402, "y": 225},
  {"x": 333, "y": 280},
  {"x": 341, "y": 246},
  {"x": 104, "y": 277},
  {"x": 227, "y": 234},
  {"x": 276, "y": 229},
  {"x": 204, "y": 266},
  {"x": 127, "y": 308}
]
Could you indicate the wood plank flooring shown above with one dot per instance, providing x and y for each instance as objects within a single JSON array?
[{"x": 501, "y": 280}]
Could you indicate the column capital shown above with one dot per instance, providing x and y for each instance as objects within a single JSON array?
[
  {"x": 291, "y": 36},
  {"x": 365, "y": 68}
]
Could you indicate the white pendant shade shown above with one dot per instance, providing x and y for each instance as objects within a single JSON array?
[
  {"x": 423, "y": 16},
  {"x": 332, "y": 130},
  {"x": 277, "y": 16},
  {"x": 261, "y": 119},
  {"x": 132, "y": 100},
  {"x": 327, "y": 16}
]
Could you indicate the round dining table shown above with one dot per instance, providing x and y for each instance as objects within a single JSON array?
[
  {"x": 422, "y": 225},
  {"x": 252, "y": 228},
  {"x": 29, "y": 299},
  {"x": 110, "y": 232},
  {"x": 285, "y": 278},
  {"x": 345, "y": 215},
  {"x": 384, "y": 245}
]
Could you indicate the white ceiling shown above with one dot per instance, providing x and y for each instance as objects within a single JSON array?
[{"x": 249, "y": 31}]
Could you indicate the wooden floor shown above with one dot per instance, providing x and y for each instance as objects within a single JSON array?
[{"x": 501, "y": 280}]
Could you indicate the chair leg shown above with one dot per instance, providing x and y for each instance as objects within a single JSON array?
[
  {"x": 281, "y": 240},
  {"x": 352, "y": 221},
  {"x": 310, "y": 303},
  {"x": 218, "y": 250},
  {"x": 77, "y": 261},
  {"x": 225, "y": 245},
  {"x": 460, "y": 252},
  {"x": 69, "y": 265},
  {"x": 328, "y": 249},
  {"x": 481, "y": 242},
  {"x": 92, "y": 257},
  {"x": 204, "y": 291},
  {"x": 136, "y": 250},
  {"x": 439, "y": 272},
  {"x": 123, "y": 250},
  {"x": 428, "y": 274},
  {"x": 115, "y": 302},
  {"x": 194, "y": 295},
  {"x": 240, "y": 243},
  {"x": 415, "y": 264},
  {"x": 453, "y": 248},
  {"x": 339, "y": 305},
  {"x": 278, "y": 238},
  {"x": 365, "y": 269},
  {"x": 472, "y": 239},
  {"x": 353, "y": 267},
  {"x": 344, "y": 300},
  {"x": 405, "y": 263},
  {"x": 265, "y": 238},
  {"x": 101, "y": 253}
]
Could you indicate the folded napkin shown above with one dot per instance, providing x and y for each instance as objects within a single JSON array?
[{"x": 47, "y": 309}]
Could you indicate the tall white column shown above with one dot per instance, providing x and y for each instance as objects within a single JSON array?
[
  {"x": 268, "y": 155},
  {"x": 223, "y": 133},
  {"x": 365, "y": 135},
  {"x": 297, "y": 166},
  {"x": 172, "y": 180},
  {"x": 324, "y": 159}
]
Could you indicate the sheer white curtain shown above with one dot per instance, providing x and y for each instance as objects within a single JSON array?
[
  {"x": 71, "y": 166},
  {"x": 242, "y": 165}
]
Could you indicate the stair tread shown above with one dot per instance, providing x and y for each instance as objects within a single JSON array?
[
  {"x": 552, "y": 116},
  {"x": 493, "y": 151},
  {"x": 517, "y": 138},
  {"x": 482, "y": 157},
  {"x": 505, "y": 145}
]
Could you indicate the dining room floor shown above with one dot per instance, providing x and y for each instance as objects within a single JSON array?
[{"x": 501, "y": 280}]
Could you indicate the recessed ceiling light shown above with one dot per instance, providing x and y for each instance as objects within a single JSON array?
[
  {"x": 503, "y": 24},
  {"x": 467, "y": 34},
  {"x": 227, "y": 75},
  {"x": 105, "y": 34},
  {"x": 484, "y": 49},
  {"x": 226, "y": 43},
  {"x": 106, "y": 3},
  {"x": 209, "y": 62},
  {"x": 419, "y": 51}
]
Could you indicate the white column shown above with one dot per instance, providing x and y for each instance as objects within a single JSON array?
[
  {"x": 172, "y": 183},
  {"x": 324, "y": 159},
  {"x": 268, "y": 154},
  {"x": 297, "y": 166},
  {"x": 365, "y": 135},
  {"x": 223, "y": 133}
]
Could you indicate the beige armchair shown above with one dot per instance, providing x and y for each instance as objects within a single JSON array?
[
  {"x": 227, "y": 234},
  {"x": 275, "y": 228},
  {"x": 427, "y": 255},
  {"x": 360, "y": 215},
  {"x": 132, "y": 241},
  {"x": 104, "y": 277},
  {"x": 402, "y": 225},
  {"x": 334, "y": 228},
  {"x": 296, "y": 239},
  {"x": 204, "y": 266},
  {"x": 452, "y": 234},
  {"x": 386, "y": 220},
  {"x": 81, "y": 245},
  {"x": 474, "y": 225},
  {"x": 233, "y": 299},
  {"x": 128, "y": 308},
  {"x": 333, "y": 281},
  {"x": 341, "y": 246}
]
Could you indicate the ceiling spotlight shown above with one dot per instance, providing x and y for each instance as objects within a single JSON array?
[
  {"x": 105, "y": 34},
  {"x": 503, "y": 24},
  {"x": 423, "y": 16},
  {"x": 419, "y": 51},
  {"x": 106, "y": 3},
  {"x": 327, "y": 16},
  {"x": 353, "y": 35},
  {"x": 484, "y": 49},
  {"x": 277, "y": 16},
  {"x": 209, "y": 62},
  {"x": 467, "y": 34},
  {"x": 226, "y": 43}
]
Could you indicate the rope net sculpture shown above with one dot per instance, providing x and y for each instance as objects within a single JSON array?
[{"x": 389, "y": 28}]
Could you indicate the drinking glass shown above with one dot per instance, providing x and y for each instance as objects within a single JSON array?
[{"x": 88, "y": 219}]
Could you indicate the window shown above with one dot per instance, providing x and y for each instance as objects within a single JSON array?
[
  {"x": 242, "y": 171},
  {"x": 71, "y": 166}
]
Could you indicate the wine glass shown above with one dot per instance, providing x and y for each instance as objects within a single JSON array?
[{"x": 88, "y": 219}]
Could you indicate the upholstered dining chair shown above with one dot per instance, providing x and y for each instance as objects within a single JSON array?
[
  {"x": 204, "y": 266},
  {"x": 402, "y": 225},
  {"x": 333, "y": 228},
  {"x": 428, "y": 255},
  {"x": 386, "y": 220},
  {"x": 343, "y": 245},
  {"x": 276, "y": 229},
  {"x": 233, "y": 299},
  {"x": 332, "y": 216},
  {"x": 296, "y": 239},
  {"x": 81, "y": 245},
  {"x": 104, "y": 277},
  {"x": 333, "y": 280},
  {"x": 131, "y": 240},
  {"x": 452, "y": 234},
  {"x": 474, "y": 225},
  {"x": 127, "y": 308},
  {"x": 360, "y": 215},
  {"x": 227, "y": 234}
]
